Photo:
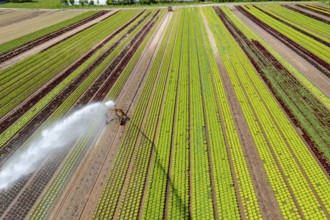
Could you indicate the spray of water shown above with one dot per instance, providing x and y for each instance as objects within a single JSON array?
[{"x": 59, "y": 135}]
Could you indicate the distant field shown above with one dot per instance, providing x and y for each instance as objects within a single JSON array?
[
  {"x": 228, "y": 112},
  {"x": 15, "y": 24},
  {"x": 33, "y": 4}
]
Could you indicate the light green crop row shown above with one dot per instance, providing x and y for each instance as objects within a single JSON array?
[
  {"x": 151, "y": 97},
  {"x": 178, "y": 197},
  {"x": 311, "y": 115},
  {"x": 317, "y": 8},
  {"x": 155, "y": 199},
  {"x": 200, "y": 186}
]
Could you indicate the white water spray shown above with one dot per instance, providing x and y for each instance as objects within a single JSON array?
[{"x": 61, "y": 134}]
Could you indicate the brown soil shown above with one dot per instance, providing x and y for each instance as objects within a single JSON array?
[
  {"x": 49, "y": 43},
  {"x": 308, "y": 70},
  {"x": 265, "y": 195},
  {"x": 81, "y": 195}
]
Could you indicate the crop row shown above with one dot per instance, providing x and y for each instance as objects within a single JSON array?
[
  {"x": 316, "y": 9},
  {"x": 313, "y": 51},
  {"x": 52, "y": 193},
  {"x": 178, "y": 197},
  {"x": 306, "y": 14},
  {"x": 155, "y": 198},
  {"x": 303, "y": 108},
  {"x": 230, "y": 58},
  {"x": 228, "y": 144},
  {"x": 288, "y": 163},
  {"x": 309, "y": 27},
  {"x": 200, "y": 176},
  {"x": 25, "y": 47},
  {"x": 73, "y": 99}
]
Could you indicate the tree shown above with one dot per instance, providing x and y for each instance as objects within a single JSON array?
[{"x": 71, "y": 2}]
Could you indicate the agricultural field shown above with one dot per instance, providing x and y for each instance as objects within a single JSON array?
[{"x": 225, "y": 113}]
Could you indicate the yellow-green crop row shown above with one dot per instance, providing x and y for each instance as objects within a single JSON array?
[
  {"x": 200, "y": 185},
  {"x": 152, "y": 97},
  {"x": 318, "y": 8},
  {"x": 310, "y": 25},
  {"x": 178, "y": 197}
]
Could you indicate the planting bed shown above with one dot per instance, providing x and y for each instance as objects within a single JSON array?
[{"x": 221, "y": 123}]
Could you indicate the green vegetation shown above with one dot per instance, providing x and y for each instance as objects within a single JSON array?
[{"x": 83, "y": 4}]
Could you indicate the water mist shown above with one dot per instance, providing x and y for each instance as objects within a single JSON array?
[{"x": 57, "y": 136}]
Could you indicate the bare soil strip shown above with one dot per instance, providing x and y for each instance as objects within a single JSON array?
[
  {"x": 11, "y": 61},
  {"x": 267, "y": 202},
  {"x": 309, "y": 71}
]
